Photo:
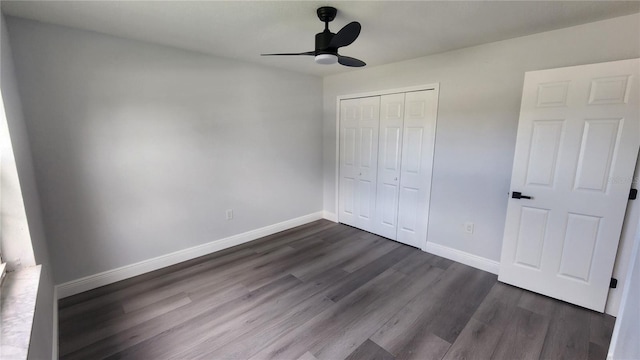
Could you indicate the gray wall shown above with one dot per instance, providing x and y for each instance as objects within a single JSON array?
[
  {"x": 139, "y": 149},
  {"x": 24, "y": 210},
  {"x": 480, "y": 91},
  {"x": 15, "y": 239},
  {"x": 624, "y": 342}
]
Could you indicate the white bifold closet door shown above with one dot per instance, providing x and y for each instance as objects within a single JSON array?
[
  {"x": 358, "y": 161},
  {"x": 404, "y": 153}
]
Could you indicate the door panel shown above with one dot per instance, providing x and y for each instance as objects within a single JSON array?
[
  {"x": 416, "y": 169},
  {"x": 358, "y": 161},
  {"x": 349, "y": 168},
  {"x": 576, "y": 148},
  {"x": 390, "y": 153},
  {"x": 409, "y": 224},
  {"x": 543, "y": 158},
  {"x": 531, "y": 235},
  {"x": 599, "y": 143},
  {"x": 578, "y": 246}
]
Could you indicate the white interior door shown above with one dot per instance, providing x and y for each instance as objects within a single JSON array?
[
  {"x": 576, "y": 148},
  {"x": 358, "y": 161},
  {"x": 418, "y": 141},
  {"x": 389, "y": 156}
]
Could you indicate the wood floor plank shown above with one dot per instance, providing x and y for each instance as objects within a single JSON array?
[
  {"x": 461, "y": 305},
  {"x": 597, "y": 352},
  {"x": 349, "y": 248},
  {"x": 442, "y": 309},
  {"x": 216, "y": 276},
  {"x": 418, "y": 258},
  {"x": 343, "y": 232},
  {"x": 218, "y": 293},
  {"x": 331, "y": 321},
  {"x": 335, "y": 333},
  {"x": 387, "y": 303},
  {"x": 476, "y": 341},
  {"x": 246, "y": 342},
  {"x": 499, "y": 305},
  {"x": 379, "y": 247},
  {"x": 78, "y": 323},
  {"x": 523, "y": 338},
  {"x": 172, "y": 321},
  {"x": 288, "y": 313},
  {"x": 369, "y": 351},
  {"x": 116, "y": 325},
  {"x": 568, "y": 334},
  {"x": 538, "y": 304},
  {"x": 425, "y": 346},
  {"x": 365, "y": 274},
  {"x": 139, "y": 282},
  {"x": 146, "y": 289},
  {"x": 307, "y": 356},
  {"x": 278, "y": 240},
  {"x": 601, "y": 328},
  {"x": 218, "y": 324},
  {"x": 216, "y": 330}
]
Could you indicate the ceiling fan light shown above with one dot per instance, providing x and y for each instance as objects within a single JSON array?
[{"x": 326, "y": 59}]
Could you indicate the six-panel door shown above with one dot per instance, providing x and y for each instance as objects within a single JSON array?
[{"x": 576, "y": 150}]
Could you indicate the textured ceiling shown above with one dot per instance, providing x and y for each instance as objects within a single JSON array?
[{"x": 391, "y": 30}]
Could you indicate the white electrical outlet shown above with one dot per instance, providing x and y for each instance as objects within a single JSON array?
[
  {"x": 229, "y": 214},
  {"x": 468, "y": 227}
]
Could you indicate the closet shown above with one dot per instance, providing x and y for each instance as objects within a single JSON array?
[{"x": 386, "y": 147}]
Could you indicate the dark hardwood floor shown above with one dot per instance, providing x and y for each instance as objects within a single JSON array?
[{"x": 324, "y": 291}]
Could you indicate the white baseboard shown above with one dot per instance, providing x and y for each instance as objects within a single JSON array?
[
  {"x": 463, "y": 257},
  {"x": 330, "y": 216},
  {"x": 110, "y": 276},
  {"x": 54, "y": 347}
]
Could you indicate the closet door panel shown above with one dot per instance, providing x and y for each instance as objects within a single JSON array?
[
  {"x": 349, "y": 156},
  {"x": 369, "y": 123},
  {"x": 389, "y": 156},
  {"x": 409, "y": 225},
  {"x": 416, "y": 169},
  {"x": 359, "y": 121}
]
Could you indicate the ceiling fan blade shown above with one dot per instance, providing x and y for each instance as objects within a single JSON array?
[
  {"x": 349, "y": 61},
  {"x": 346, "y": 35},
  {"x": 312, "y": 53}
]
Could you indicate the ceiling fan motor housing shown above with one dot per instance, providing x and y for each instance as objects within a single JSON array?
[{"x": 323, "y": 40}]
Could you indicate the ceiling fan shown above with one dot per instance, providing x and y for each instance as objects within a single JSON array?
[{"x": 327, "y": 43}]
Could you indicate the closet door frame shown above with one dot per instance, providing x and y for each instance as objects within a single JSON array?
[{"x": 434, "y": 87}]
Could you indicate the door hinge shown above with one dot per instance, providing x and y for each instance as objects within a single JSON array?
[
  {"x": 614, "y": 283},
  {"x": 633, "y": 194}
]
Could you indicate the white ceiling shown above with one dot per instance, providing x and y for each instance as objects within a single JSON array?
[{"x": 391, "y": 30}]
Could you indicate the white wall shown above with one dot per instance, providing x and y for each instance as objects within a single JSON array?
[
  {"x": 139, "y": 149},
  {"x": 627, "y": 239},
  {"x": 15, "y": 241},
  {"x": 624, "y": 342},
  {"x": 480, "y": 92},
  {"x": 21, "y": 212}
]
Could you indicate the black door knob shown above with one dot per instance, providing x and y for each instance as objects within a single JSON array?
[{"x": 518, "y": 195}]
